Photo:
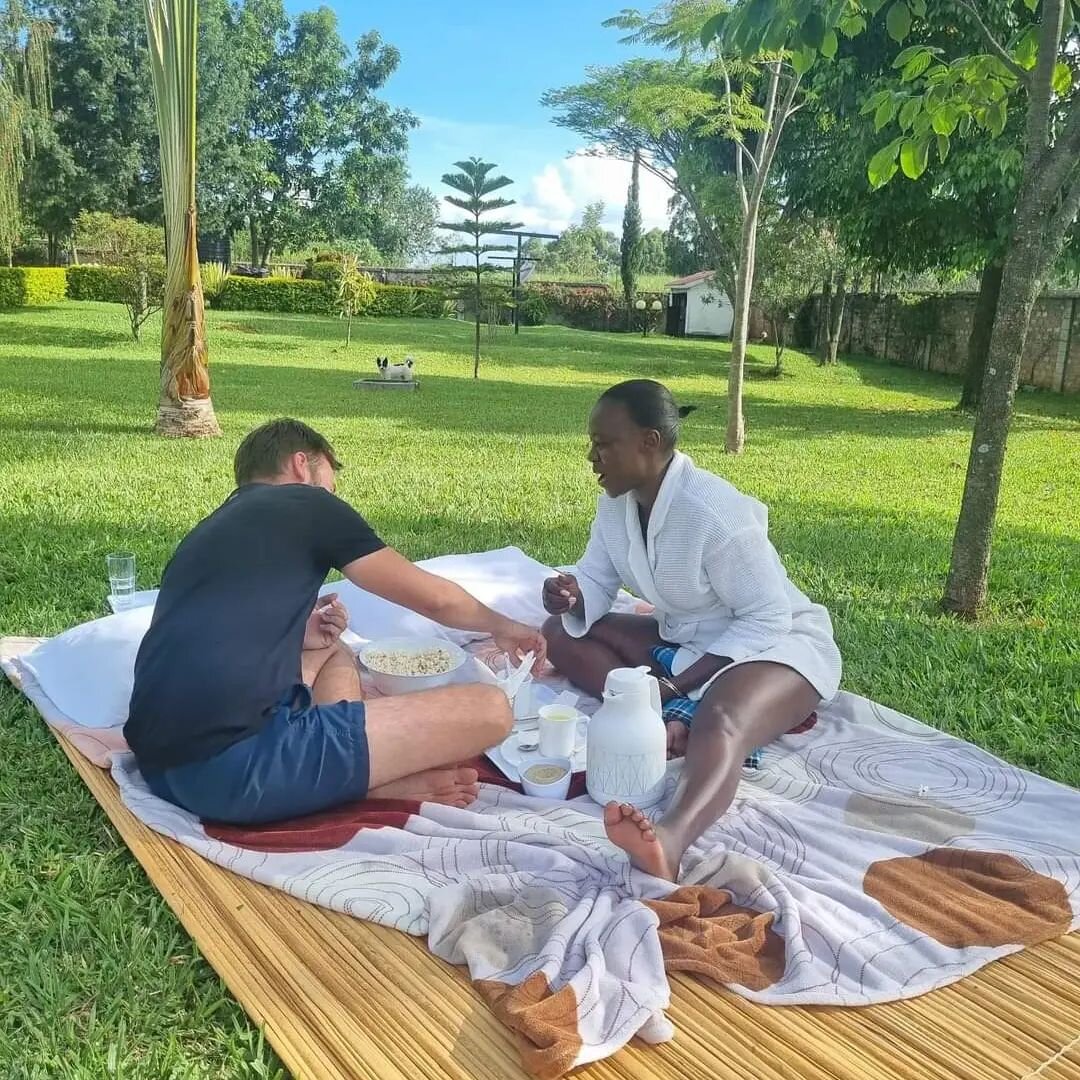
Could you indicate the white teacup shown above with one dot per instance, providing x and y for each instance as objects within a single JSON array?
[
  {"x": 558, "y": 725},
  {"x": 547, "y": 777}
]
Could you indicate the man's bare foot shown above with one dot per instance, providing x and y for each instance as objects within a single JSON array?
[
  {"x": 451, "y": 787},
  {"x": 631, "y": 830}
]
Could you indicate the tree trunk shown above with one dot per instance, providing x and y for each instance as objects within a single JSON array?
[
  {"x": 184, "y": 407},
  {"x": 253, "y": 238},
  {"x": 824, "y": 317},
  {"x": 965, "y": 589},
  {"x": 348, "y": 332},
  {"x": 779, "y": 341},
  {"x": 736, "y": 426},
  {"x": 836, "y": 318},
  {"x": 982, "y": 326}
]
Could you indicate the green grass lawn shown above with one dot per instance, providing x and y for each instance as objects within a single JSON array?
[{"x": 862, "y": 466}]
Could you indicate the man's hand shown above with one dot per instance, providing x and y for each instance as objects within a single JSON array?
[
  {"x": 561, "y": 594},
  {"x": 516, "y": 640},
  {"x": 326, "y": 623}
]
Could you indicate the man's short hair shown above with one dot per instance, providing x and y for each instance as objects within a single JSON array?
[{"x": 264, "y": 451}]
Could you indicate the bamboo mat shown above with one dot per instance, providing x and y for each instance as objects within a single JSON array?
[{"x": 342, "y": 999}]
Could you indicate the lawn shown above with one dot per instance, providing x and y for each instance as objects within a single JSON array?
[{"x": 862, "y": 466}]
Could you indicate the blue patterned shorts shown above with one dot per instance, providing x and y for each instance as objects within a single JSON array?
[{"x": 683, "y": 708}]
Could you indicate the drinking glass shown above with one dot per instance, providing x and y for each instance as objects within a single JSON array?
[{"x": 121, "y": 565}]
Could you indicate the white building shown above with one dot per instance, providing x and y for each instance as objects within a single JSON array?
[{"x": 697, "y": 306}]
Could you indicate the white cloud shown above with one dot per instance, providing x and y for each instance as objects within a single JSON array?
[{"x": 557, "y": 195}]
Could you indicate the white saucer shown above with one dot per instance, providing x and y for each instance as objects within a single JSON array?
[{"x": 509, "y": 751}]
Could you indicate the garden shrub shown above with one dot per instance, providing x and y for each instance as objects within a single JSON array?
[
  {"x": 21, "y": 286},
  {"x": 101, "y": 283},
  {"x": 288, "y": 295}
]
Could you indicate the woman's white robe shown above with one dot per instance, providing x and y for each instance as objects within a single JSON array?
[{"x": 709, "y": 569}]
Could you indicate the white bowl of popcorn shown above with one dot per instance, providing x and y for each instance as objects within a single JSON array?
[{"x": 407, "y": 665}]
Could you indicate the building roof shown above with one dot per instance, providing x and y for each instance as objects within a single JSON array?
[{"x": 690, "y": 279}]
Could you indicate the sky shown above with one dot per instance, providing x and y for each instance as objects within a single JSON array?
[{"x": 473, "y": 73}]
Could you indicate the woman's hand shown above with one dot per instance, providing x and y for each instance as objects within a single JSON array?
[
  {"x": 678, "y": 735},
  {"x": 516, "y": 640},
  {"x": 561, "y": 594}
]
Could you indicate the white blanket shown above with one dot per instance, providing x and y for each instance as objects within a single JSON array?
[{"x": 870, "y": 859}]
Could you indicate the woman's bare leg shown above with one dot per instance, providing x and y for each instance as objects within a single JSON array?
[
  {"x": 748, "y": 706},
  {"x": 613, "y": 641}
]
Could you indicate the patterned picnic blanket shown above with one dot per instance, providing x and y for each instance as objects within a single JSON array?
[{"x": 869, "y": 858}]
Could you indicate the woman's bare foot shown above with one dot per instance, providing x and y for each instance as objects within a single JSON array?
[
  {"x": 451, "y": 787},
  {"x": 631, "y": 830}
]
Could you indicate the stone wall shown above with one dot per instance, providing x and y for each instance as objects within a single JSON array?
[{"x": 930, "y": 332}]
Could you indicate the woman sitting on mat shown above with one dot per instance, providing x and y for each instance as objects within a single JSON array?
[{"x": 742, "y": 656}]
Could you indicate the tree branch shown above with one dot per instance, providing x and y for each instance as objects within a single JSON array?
[
  {"x": 769, "y": 112},
  {"x": 994, "y": 45},
  {"x": 1037, "y": 134},
  {"x": 1062, "y": 220},
  {"x": 740, "y": 147}
]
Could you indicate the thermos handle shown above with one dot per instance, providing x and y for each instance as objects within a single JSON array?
[{"x": 654, "y": 694}]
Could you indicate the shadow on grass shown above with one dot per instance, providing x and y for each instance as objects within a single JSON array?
[{"x": 52, "y": 336}]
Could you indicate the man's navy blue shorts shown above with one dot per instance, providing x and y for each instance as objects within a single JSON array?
[{"x": 306, "y": 759}]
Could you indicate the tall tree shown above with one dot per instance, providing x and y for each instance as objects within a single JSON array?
[
  {"x": 475, "y": 183},
  {"x": 631, "y": 247},
  {"x": 101, "y": 152},
  {"x": 24, "y": 104},
  {"x": 961, "y": 93},
  {"x": 654, "y": 257},
  {"x": 584, "y": 252},
  {"x": 332, "y": 147},
  {"x": 184, "y": 406}
]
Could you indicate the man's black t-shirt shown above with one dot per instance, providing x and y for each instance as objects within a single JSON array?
[{"x": 225, "y": 641}]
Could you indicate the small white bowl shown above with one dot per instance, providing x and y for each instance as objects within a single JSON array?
[
  {"x": 556, "y": 789},
  {"x": 392, "y": 685}
]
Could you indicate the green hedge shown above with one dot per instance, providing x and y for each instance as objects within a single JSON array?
[
  {"x": 402, "y": 301},
  {"x": 23, "y": 285},
  {"x": 101, "y": 283},
  {"x": 277, "y": 294},
  {"x": 307, "y": 297}
]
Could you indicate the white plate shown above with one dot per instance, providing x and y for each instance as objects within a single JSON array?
[{"x": 516, "y": 759}]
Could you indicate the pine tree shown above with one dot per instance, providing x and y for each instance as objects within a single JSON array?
[
  {"x": 632, "y": 250},
  {"x": 475, "y": 184}
]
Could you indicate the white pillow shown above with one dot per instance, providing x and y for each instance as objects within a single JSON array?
[{"x": 89, "y": 670}]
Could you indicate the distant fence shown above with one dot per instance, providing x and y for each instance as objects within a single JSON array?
[{"x": 930, "y": 332}]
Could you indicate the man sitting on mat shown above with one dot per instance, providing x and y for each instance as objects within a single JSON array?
[{"x": 247, "y": 708}]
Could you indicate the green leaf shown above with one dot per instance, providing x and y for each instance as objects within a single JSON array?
[
  {"x": 906, "y": 56},
  {"x": 882, "y": 166},
  {"x": 713, "y": 28},
  {"x": 1062, "y": 79},
  {"x": 898, "y": 21},
  {"x": 829, "y": 44},
  {"x": 916, "y": 65},
  {"x": 873, "y": 102},
  {"x": 885, "y": 112},
  {"x": 874, "y": 6},
  {"x": 942, "y": 147},
  {"x": 908, "y": 113},
  {"x": 802, "y": 60},
  {"x": 1031, "y": 5},
  {"x": 945, "y": 119},
  {"x": 919, "y": 8},
  {"x": 914, "y": 157},
  {"x": 996, "y": 116},
  {"x": 852, "y": 25},
  {"x": 1026, "y": 50}
]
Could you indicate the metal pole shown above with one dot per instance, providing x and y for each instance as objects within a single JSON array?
[{"x": 517, "y": 289}]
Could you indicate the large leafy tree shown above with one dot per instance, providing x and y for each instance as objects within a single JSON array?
[
  {"x": 474, "y": 182},
  {"x": 957, "y": 92},
  {"x": 24, "y": 103},
  {"x": 101, "y": 146},
  {"x": 184, "y": 406},
  {"x": 585, "y": 251},
  {"x": 332, "y": 148}
]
